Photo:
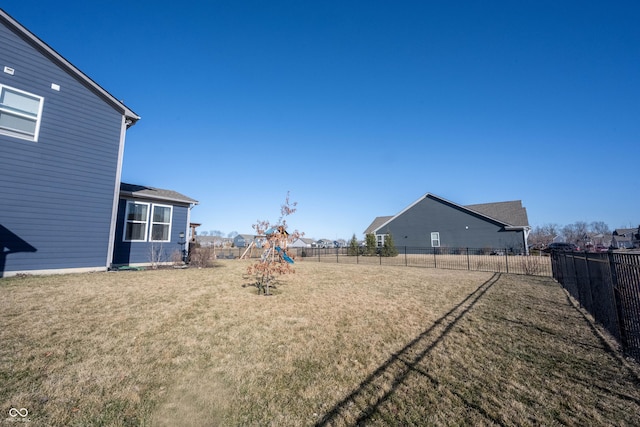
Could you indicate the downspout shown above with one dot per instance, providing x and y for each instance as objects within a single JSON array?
[
  {"x": 188, "y": 227},
  {"x": 116, "y": 191},
  {"x": 526, "y": 231}
]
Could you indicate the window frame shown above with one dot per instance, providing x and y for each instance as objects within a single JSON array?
[
  {"x": 14, "y": 112},
  {"x": 127, "y": 221},
  {"x": 152, "y": 222},
  {"x": 435, "y": 239}
]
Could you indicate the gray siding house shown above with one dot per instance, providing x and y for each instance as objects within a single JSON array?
[
  {"x": 152, "y": 226},
  {"x": 243, "y": 240},
  {"x": 625, "y": 238},
  {"x": 61, "y": 146},
  {"x": 433, "y": 222}
]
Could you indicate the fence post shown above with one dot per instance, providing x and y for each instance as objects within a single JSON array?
[
  {"x": 468, "y": 263},
  {"x": 337, "y": 256},
  {"x": 506, "y": 259},
  {"x": 435, "y": 262},
  {"x": 618, "y": 301}
]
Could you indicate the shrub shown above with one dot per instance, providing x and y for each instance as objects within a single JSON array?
[
  {"x": 389, "y": 248},
  {"x": 201, "y": 256}
]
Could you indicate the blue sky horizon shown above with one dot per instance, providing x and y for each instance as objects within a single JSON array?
[{"x": 358, "y": 108}]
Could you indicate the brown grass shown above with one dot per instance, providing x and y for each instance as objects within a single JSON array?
[{"x": 335, "y": 345}]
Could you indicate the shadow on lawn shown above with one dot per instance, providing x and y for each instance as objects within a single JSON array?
[{"x": 381, "y": 384}]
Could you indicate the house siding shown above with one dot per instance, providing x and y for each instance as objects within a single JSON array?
[
  {"x": 139, "y": 253},
  {"x": 57, "y": 193},
  {"x": 413, "y": 228}
]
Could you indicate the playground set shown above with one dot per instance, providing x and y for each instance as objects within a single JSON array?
[{"x": 274, "y": 259}]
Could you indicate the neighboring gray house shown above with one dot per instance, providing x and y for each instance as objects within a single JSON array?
[
  {"x": 625, "y": 238},
  {"x": 301, "y": 242},
  {"x": 433, "y": 222},
  {"x": 243, "y": 240},
  {"x": 152, "y": 225},
  {"x": 61, "y": 146}
]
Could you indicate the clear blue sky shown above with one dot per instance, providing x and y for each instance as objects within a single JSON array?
[{"x": 358, "y": 108}]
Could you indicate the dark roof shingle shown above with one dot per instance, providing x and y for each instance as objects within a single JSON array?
[{"x": 143, "y": 191}]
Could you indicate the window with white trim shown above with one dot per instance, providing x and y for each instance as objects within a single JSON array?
[
  {"x": 136, "y": 219},
  {"x": 161, "y": 223},
  {"x": 20, "y": 113},
  {"x": 380, "y": 240},
  {"x": 435, "y": 239}
]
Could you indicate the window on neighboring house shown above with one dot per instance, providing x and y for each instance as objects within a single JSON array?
[
  {"x": 161, "y": 223},
  {"x": 136, "y": 218},
  {"x": 20, "y": 113},
  {"x": 380, "y": 240},
  {"x": 435, "y": 239}
]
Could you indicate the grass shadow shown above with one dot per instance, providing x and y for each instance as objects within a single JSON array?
[{"x": 371, "y": 393}]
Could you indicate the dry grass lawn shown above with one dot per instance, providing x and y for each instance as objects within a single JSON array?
[{"x": 336, "y": 344}]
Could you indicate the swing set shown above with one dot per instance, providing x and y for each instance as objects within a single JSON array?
[{"x": 274, "y": 259}]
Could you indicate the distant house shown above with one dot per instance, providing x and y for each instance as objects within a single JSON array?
[
  {"x": 61, "y": 146},
  {"x": 152, "y": 225},
  {"x": 434, "y": 222},
  {"x": 243, "y": 240},
  {"x": 301, "y": 242},
  {"x": 209, "y": 241},
  {"x": 625, "y": 238}
]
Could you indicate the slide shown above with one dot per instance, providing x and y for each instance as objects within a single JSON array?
[{"x": 284, "y": 255}]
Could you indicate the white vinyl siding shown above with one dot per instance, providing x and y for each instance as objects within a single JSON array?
[
  {"x": 435, "y": 239},
  {"x": 20, "y": 113}
]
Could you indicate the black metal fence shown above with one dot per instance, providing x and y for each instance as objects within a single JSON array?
[
  {"x": 474, "y": 259},
  {"x": 485, "y": 259},
  {"x": 607, "y": 285}
]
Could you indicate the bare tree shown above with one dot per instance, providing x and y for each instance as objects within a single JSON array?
[
  {"x": 275, "y": 259},
  {"x": 542, "y": 236},
  {"x": 576, "y": 233},
  {"x": 599, "y": 227}
]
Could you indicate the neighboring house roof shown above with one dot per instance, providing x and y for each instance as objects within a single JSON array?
[
  {"x": 377, "y": 223},
  {"x": 510, "y": 214},
  {"x": 141, "y": 191},
  {"x": 301, "y": 242},
  {"x": 625, "y": 232},
  {"x": 246, "y": 237},
  {"x": 132, "y": 117}
]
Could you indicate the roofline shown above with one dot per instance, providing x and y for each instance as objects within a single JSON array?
[
  {"x": 517, "y": 227},
  {"x": 132, "y": 117},
  {"x": 449, "y": 202},
  {"x": 166, "y": 199}
]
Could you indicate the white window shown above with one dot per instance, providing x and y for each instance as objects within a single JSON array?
[
  {"x": 136, "y": 219},
  {"x": 20, "y": 113},
  {"x": 147, "y": 221},
  {"x": 435, "y": 239},
  {"x": 161, "y": 223},
  {"x": 380, "y": 240}
]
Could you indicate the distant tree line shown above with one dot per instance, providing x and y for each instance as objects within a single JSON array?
[{"x": 578, "y": 233}]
